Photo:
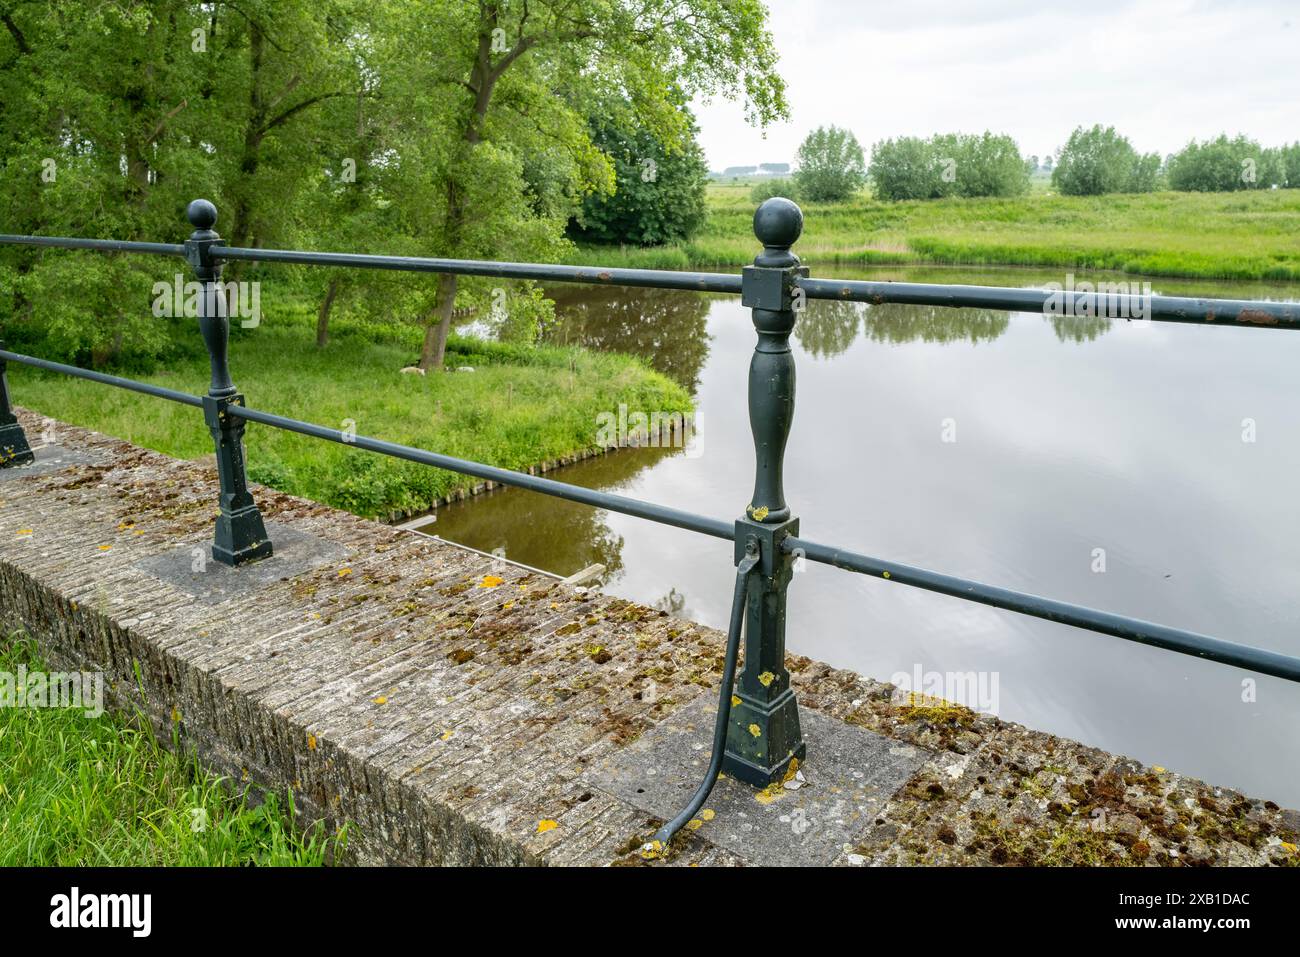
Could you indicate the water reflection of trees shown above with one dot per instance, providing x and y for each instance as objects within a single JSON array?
[
  {"x": 549, "y": 533},
  {"x": 827, "y": 327},
  {"x": 1079, "y": 328},
  {"x": 667, "y": 327}
]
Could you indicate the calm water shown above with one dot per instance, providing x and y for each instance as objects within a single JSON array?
[{"x": 1070, "y": 437}]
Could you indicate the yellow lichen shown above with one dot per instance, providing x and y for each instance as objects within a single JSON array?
[
  {"x": 766, "y": 678},
  {"x": 491, "y": 581},
  {"x": 755, "y": 730},
  {"x": 546, "y": 825},
  {"x": 770, "y": 793}
]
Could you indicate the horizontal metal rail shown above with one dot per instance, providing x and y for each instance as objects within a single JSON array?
[
  {"x": 103, "y": 245},
  {"x": 574, "y": 493},
  {"x": 184, "y": 398},
  {"x": 1282, "y": 315},
  {"x": 597, "y": 275},
  {"x": 1279, "y": 315},
  {"x": 1118, "y": 626}
]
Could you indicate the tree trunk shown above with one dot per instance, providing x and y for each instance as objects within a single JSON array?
[
  {"x": 438, "y": 324},
  {"x": 323, "y": 314}
]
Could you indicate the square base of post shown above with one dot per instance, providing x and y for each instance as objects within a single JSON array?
[
  {"x": 241, "y": 538},
  {"x": 762, "y": 740},
  {"x": 14, "y": 449}
]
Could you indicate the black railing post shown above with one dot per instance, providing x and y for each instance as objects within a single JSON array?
[
  {"x": 14, "y": 448},
  {"x": 240, "y": 535},
  {"x": 763, "y": 734}
]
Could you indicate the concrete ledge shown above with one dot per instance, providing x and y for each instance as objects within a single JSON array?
[{"x": 454, "y": 708}]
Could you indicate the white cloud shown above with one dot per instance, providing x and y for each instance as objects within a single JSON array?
[{"x": 1161, "y": 71}]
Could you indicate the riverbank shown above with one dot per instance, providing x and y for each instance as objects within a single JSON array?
[
  {"x": 511, "y": 406},
  {"x": 1246, "y": 236}
]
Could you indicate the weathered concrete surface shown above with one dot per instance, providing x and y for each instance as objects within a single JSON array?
[
  {"x": 850, "y": 774},
  {"x": 458, "y": 710}
]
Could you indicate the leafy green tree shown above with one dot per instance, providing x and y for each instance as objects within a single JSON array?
[
  {"x": 117, "y": 114},
  {"x": 492, "y": 81},
  {"x": 1288, "y": 158},
  {"x": 658, "y": 192},
  {"x": 948, "y": 164},
  {"x": 1099, "y": 160},
  {"x": 990, "y": 165},
  {"x": 1148, "y": 174},
  {"x": 831, "y": 166},
  {"x": 905, "y": 168},
  {"x": 1225, "y": 165}
]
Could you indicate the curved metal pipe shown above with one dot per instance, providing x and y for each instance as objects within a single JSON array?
[{"x": 659, "y": 843}]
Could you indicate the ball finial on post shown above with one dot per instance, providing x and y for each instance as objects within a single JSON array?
[
  {"x": 778, "y": 223},
  {"x": 201, "y": 214}
]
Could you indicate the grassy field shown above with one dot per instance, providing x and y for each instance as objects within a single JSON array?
[
  {"x": 1247, "y": 235},
  {"x": 519, "y": 406},
  {"x": 77, "y": 790}
]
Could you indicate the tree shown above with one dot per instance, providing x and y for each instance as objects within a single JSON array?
[
  {"x": 990, "y": 165},
  {"x": 1099, "y": 160},
  {"x": 658, "y": 192},
  {"x": 830, "y": 165},
  {"x": 491, "y": 81},
  {"x": 1224, "y": 165},
  {"x": 948, "y": 164},
  {"x": 1289, "y": 163},
  {"x": 905, "y": 168},
  {"x": 1147, "y": 175},
  {"x": 116, "y": 115}
]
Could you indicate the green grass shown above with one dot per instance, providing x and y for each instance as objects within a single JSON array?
[
  {"x": 76, "y": 790},
  {"x": 521, "y": 406},
  {"x": 1246, "y": 235}
]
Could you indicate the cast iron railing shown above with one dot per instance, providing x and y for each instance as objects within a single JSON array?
[{"x": 756, "y": 739}]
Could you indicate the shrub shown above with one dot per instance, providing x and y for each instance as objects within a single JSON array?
[
  {"x": 1099, "y": 160},
  {"x": 948, "y": 164},
  {"x": 659, "y": 188},
  {"x": 831, "y": 165},
  {"x": 776, "y": 186},
  {"x": 1222, "y": 165}
]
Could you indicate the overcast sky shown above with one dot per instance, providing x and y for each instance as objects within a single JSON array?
[{"x": 1160, "y": 71}]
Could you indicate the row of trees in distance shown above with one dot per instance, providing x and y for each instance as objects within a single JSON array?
[{"x": 832, "y": 166}]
